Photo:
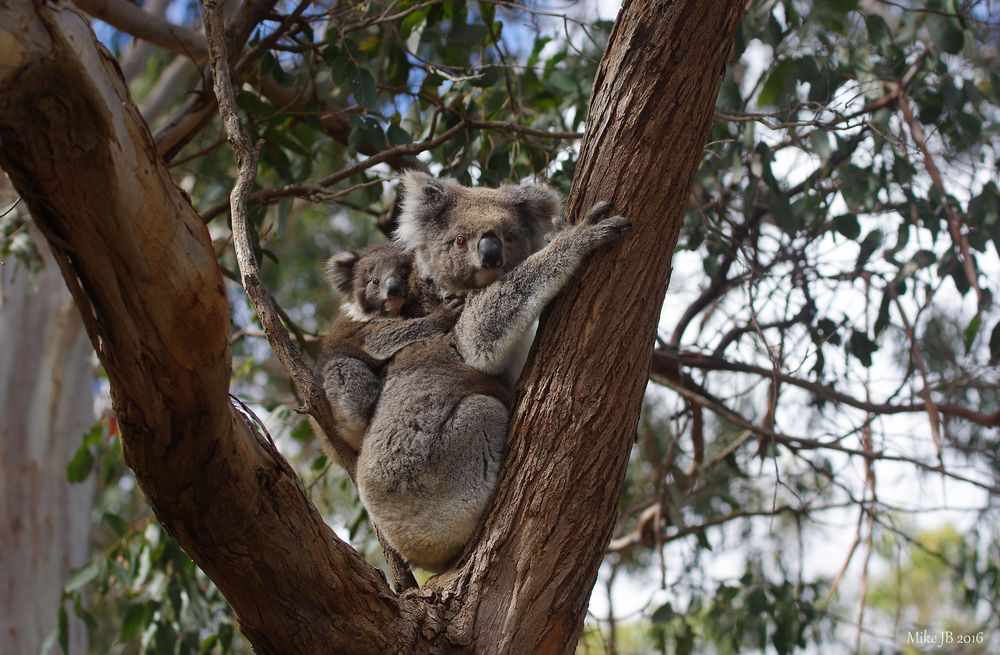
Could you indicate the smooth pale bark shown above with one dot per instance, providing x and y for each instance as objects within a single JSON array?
[
  {"x": 135, "y": 58},
  {"x": 140, "y": 265},
  {"x": 46, "y": 406}
]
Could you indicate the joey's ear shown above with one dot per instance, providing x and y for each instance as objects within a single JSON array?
[
  {"x": 340, "y": 271},
  {"x": 536, "y": 205},
  {"x": 422, "y": 209}
]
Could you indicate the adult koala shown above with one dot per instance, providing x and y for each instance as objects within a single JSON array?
[{"x": 430, "y": 459}]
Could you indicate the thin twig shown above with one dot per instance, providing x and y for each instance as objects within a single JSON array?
[
  {"x": 11, "y": 208},
  {"x": 954, "y": 220}
]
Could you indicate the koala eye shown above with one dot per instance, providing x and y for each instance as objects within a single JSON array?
[
  {"x": 508, "y": 236},
  {"x": 374, "y": 281},
  {"x": 460, "y": 240}
]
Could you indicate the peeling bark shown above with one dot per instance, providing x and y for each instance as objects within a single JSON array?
[{"x": 139, "y": 264}]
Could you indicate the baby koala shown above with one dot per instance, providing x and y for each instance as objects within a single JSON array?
[{"x": 384, "y": 307}]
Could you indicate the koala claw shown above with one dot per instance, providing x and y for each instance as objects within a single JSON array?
[
  {"x": 598, "y": 211},
  {"x": 454, "y": 304},
  {"x": 610, "y": 229}
]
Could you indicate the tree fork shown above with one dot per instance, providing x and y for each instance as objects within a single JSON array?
[{"x": 144, "y": 276}]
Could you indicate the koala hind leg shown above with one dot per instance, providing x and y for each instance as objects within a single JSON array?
[
  {"x": 352, "y": 389},
  {"x": 464, "y": 465}
]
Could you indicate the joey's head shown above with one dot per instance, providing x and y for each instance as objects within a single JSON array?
[
  {"x": 374, "y": 282},
  {"x": 467, "y": 237}
]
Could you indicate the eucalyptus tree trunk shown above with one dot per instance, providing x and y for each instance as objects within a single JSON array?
[
  {"x": 46, "y": 406},
  {"x": 139, "y": 263}
]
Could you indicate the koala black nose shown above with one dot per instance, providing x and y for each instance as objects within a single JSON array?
[
  {"x": 393, "y": 286},
  {"x": 490, "y": 251}
]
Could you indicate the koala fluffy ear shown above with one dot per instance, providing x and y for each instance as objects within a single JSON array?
[
  {"x": 340, "y": 271},
  {"x": 422, "y": 208},
  {"x": 537, "y": 204}
]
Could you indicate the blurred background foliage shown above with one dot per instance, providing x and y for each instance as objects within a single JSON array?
[{"x": 817, "y": 464}]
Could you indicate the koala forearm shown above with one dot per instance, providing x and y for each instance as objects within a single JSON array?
[
  {"x": 497, "y": 317},
  {"x": 386, "y": 340}
]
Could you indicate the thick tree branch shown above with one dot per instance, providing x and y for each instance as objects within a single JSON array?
[
  {"x": 142, "y": 25},
  {"x": 145, "y": 278},
  {"x": 134, "y": 59},
  {"x": 524, "y": 586},
  {"x": 199, "y": 108}
]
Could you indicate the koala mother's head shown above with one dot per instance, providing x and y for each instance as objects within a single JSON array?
[{"x": 467, "y": 237}]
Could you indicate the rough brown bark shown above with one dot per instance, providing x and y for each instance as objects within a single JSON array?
[
  {"x": 141, "y": 269},
  {"x": 581, "y": 392}
]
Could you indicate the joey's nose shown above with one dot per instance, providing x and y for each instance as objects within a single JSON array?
[
  {"x": 393, "y": 286},
  {"x": 490, "y": 251}
]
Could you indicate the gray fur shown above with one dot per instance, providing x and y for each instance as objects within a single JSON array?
[
  {"x": 435, "y": 444},
  {"x": 369, "y": 332}
]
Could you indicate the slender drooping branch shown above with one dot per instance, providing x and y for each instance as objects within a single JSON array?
[
  {"x": 291, "y": 358},
  {"x": 694, "y": 393},
  {"x": 665, "y": 361},
  {"x": 319, "y": 189},
  {"x": 955, "y": 224}
]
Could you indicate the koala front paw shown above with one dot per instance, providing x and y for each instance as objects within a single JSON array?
[
  {"x": 610, "y": 229},
  {"x": 598, "y": 211},
  {"x": 598, "y": 230}
]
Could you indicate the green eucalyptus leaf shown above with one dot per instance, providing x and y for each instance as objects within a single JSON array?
[
  {"x": 136, "y": 619},
  {"x": 776, "y": 85},
  {"x": 995, "y": 344},
  {"x": 82, "y": 576},
  {"x": 80, "y": 464},
  {"x": 971, "y": 330},
  {"x": 847, "y": 225},
  {"x": 362, "y": 86},
  {"x": 862, "y": 347},
  {"x": 946, "y": 32},
  {"x": 878, "y": 30},
  {"x": 63, "y": 629},
  {"x": 116, "y": 523},
  {"x": 663, "y": 613},
  {"x": 871, "y": 243}
]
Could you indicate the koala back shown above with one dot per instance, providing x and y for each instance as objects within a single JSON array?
[{"x": 433, "y": 451}]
